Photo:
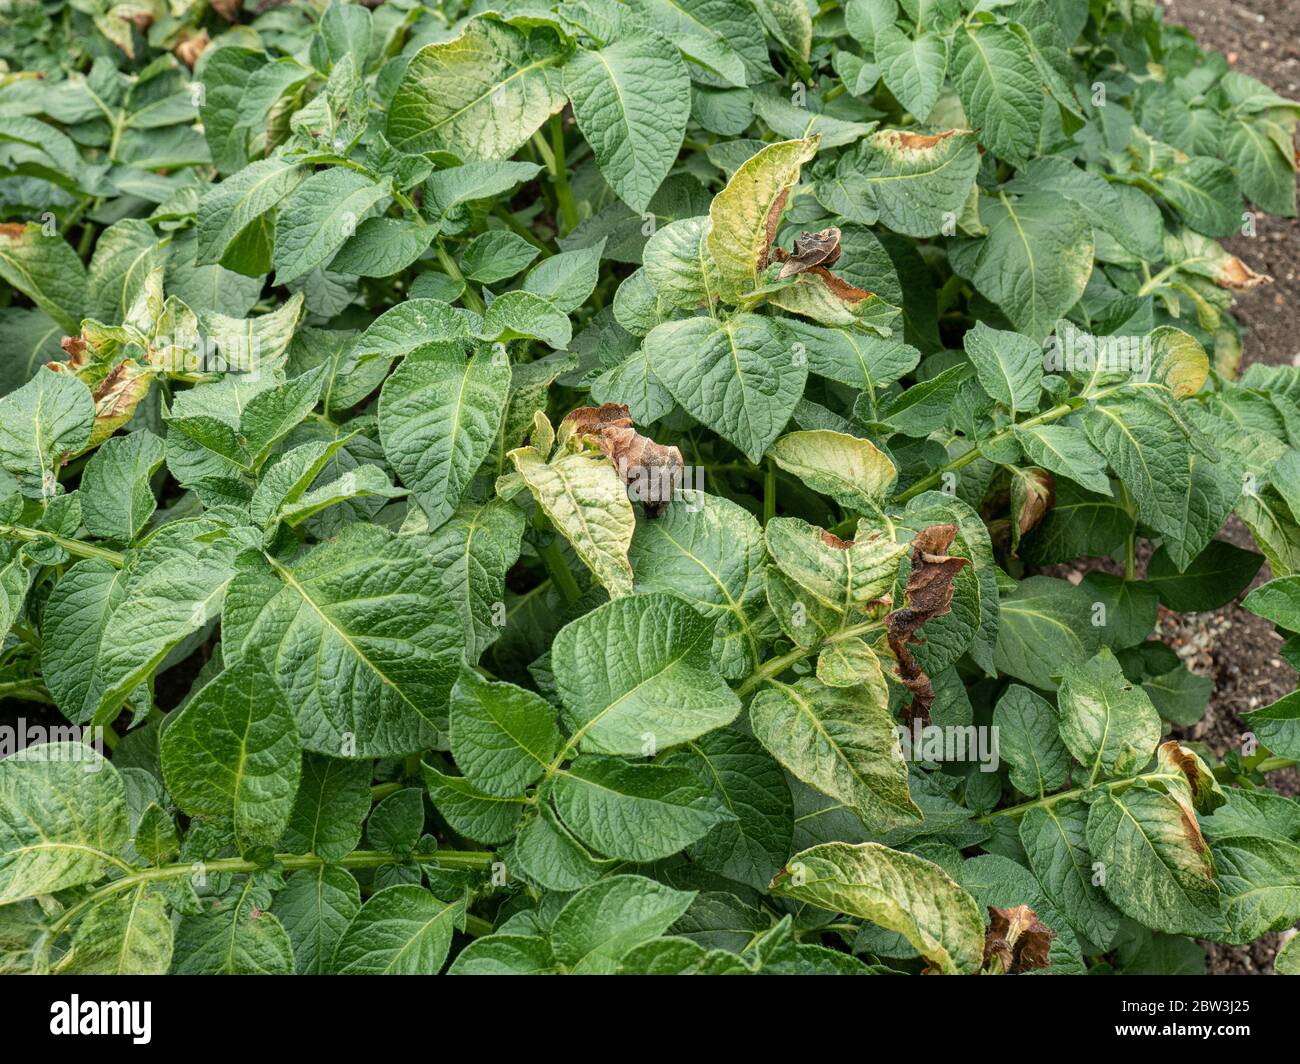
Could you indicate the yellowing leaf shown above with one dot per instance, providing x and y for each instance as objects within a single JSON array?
[{"x": 744, "y": 215}]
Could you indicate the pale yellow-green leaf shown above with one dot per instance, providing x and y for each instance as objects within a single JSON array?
[
  {"x": 744, "y": 215},
  {"x": 841, "y": 574},
  {"x": 1178, "y": 361},
  {"x": 897, "y": 891},
  {"x": 852, "y": 471},
  {"x": 586, "y": 501}
]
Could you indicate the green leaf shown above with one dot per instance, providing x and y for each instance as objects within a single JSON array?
[
  {"x": 438, "y": 417},
  {"x": 316, "y": 906},
  {"x": 235, "y": 937},
  {"x": 364, "y": 605},
  {"x": 401, "y": 930},
  {"x": 720, "y": 36},
  {"x": 232, "y": 750},
  {"x": 1036, "y": 259},
  {"x": 116, "y": 496},
  {"x": 842, "y": 742},
  {"x": 1000, "y": 90},
  {"x": 709, "y": 551},
  {"x": 1149, "y": 454},
  {"x": 75, "y": 618},
  {"x": 913, "y": 69},
  {"x": 318, "y": 217},
  {"x": 1027, "y": 737},
  {"x": 546, "y": 853},
  {"x": 1130, "y": 607},
  {"x": 234, "y": 227},
  {"x": 331, "y": 805},
  {"x": 1214, "y": 578},
  {"x": 631, "y": 99},
  {"x": 1108, "y": 723},
  {"x": 473, "y": 550},
  {"x": 1046, "y": 627},
  {"x": 495, "y": 256},
  {"x": 736, "y": 377},
  {"x": 1055, "y": 839},
  {"x": 46, "y": 421},
  {"x": 745, "y": 778},
  {"x": 790, "y": 23},
  {"x": 124, "y": 934},
  {"x": 63, "y": 819},
  {"x": 45, "y": 269},
  {"x": 602, "y": 923},
  {"x": 480, "y": 95},
  {"x": 636, "y": 675},
  {"x": 505, "y": 955},
  {"x": 397, "y": 821},
  {"x": 566, "y": 280},
  {"x": 1278, "y": 726},
  {"x": 1158, "y": 868},
  {"x": 381, "y": 247},
  {"x": 1065, "y": 451},
  {"x": 1009, "y": 366},
  {"x": 526, "y": 315},
  {"x": 502, "y": 736},
  {"x": 635, "y": 812},
  {"x": 471, "y": 812},
  {"x": 898, "y": 891}
]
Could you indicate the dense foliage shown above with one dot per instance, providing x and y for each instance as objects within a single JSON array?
[{"x": 543, "y": 488}]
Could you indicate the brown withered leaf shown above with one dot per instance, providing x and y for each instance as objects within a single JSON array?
[
  {"x": 1017, "y": 939},
  {"x": 1033, "y": 493},
  {"x": 650, "y": 470},
  {"x": 810, "y": 249},
  {"x": 228, "y": 9},
  {"x": 917, "y": 141},
  {"x": 590, "y": 420},
  {"x": 773, "y": 219},
  {"x": 1235, "y": 274},
  {"x": 928, "y": 594},
  {"x": 189, "y": 49}
]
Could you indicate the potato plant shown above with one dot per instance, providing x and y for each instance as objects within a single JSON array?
[{"x": 572, "y": 487}]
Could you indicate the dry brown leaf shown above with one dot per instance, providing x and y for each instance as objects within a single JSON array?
[
  {"x": 810, "y": 249},
  {"x": 189, "y": 50},
  {"x": 1235, "y": 274},
  {"x": 928, "y": 594},
  {"x": 1016, "y": 940},
  {"x": 651, "y": 471}
]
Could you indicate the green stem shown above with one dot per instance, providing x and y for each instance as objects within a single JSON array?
[
  {"x": 1112, "y": 786},
  {"x": 928, "y": 482},
  {"x": 773, "y": 667},
  {"x": 553, "y": 558},
  {"x": 28, "y": 690},
  {"x": 568, "y": 208},
  {"x": 382, "y": 790},
  {"x": 468, "y": 295},
  {"x": 1275, "y": 764},
  {"x": 290, "y": 862},
  {"x": 75, "y": 547},
  {"x": 1156, "y": 281}
]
